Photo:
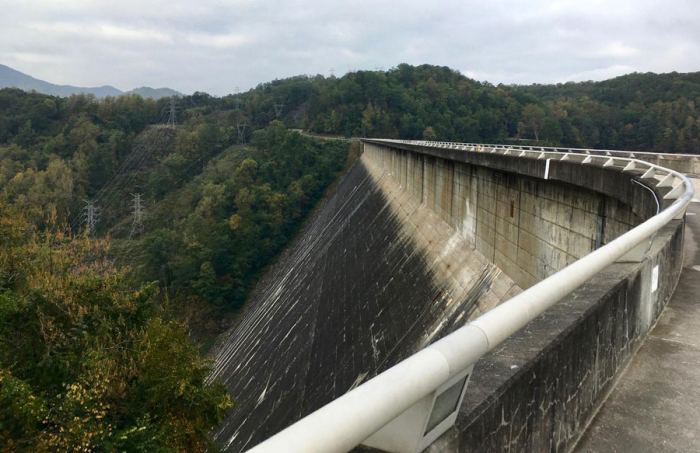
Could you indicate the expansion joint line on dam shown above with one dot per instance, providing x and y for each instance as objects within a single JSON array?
[{"x": 408, "y": 406}]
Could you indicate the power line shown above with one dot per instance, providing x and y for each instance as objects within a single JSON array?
[
  {"x": 120, "y": 176},
  {"x": 123, "y": 177},
  {"x": 129, "y": 251}
]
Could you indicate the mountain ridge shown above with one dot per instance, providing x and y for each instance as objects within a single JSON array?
[
  {"x": 12, "y": 78},
  {"x": 153, "y": 93}
]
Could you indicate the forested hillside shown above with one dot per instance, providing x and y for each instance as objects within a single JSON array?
[
  {"x": 656, "y": 112},
  {"x": 95, "y": 326},
  {"x": 216, "y": 210},
  {"x": 120, "y": 237},
  {"x": 89, "y": 361}
]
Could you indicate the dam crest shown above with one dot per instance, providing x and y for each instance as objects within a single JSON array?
[{"x": 416, "y": 241}]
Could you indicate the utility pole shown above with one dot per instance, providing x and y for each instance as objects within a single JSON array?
[
  {"x": 241, "y": 127},
  {"x": 138, "y": 213},
  {"x": 172, "y": 110},
  {"x": 278, "y": 110},
  {"x": 90, "y": 216}
]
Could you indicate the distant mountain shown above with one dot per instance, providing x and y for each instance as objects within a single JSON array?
[
  {"x": 11, "y": 78},
  {"x": 154, "y": 93}
]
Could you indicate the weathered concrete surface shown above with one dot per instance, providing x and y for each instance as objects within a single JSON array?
[
  {"x": 610, "y": 181},
  {"x": 409, "y": 247},
  {"x": 375, "y": 277},
  {"x": 528, "y": 227},
  {"x": 539, "y": 389},
  {"x": 656, "y": 404}
]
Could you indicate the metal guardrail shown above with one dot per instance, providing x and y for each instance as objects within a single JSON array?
[
  {"x": 404, "y": 408},
  {"x": 691, "y": 161},
  {"x": 594, "y": 151}
]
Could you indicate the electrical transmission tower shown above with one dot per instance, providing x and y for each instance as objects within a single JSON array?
[
  {"x": 172, "y": 112},
  {"x": 332, "y": 71},
  {"x": 278, "y": 110},
  {"x": 90, "y": 217},
  {"x": 138, "y": 212},
  {"x": 241, "y": 127},
  {"x": 237, "y": 100}
]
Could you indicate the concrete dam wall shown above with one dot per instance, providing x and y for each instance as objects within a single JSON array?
[
  {"x": 410, "y": 246},
  {"x": 529, "y": 228}
]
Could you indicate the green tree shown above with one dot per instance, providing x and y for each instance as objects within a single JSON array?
[
  {"x": 86, "y": 363},
  {"x": 533, "y": 118}
]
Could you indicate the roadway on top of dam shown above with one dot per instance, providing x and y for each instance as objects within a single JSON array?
[{"x": 655, "y": 406}]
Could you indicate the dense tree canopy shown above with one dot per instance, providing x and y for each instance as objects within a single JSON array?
[
  {"x": 212, "y": 237},
  {"x": 637, "y": 111},
  {"x": 218, "y": 210},
  {"x": 87, "y": 362}
]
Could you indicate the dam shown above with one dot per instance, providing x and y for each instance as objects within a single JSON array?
[{"x": 419, "y": 239}]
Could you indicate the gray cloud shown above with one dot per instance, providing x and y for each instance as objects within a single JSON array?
[{"x": 215, "y": 45}]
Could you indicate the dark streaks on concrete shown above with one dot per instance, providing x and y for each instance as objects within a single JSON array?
[
  {"x": 656, "y": 404},
  {"x": 393, "y": 261},
  {"x": 357, "y": 294}
]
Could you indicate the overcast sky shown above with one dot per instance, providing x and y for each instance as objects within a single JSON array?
[{"x": 217, "y": 45}]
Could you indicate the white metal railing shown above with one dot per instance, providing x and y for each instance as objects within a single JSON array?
[
  {"x": 391, "y": 410},
  {"x": 691, "y": 162},
  {"x": 600, "y": 152}
]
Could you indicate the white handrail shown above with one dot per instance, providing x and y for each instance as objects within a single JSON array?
[
  {"x": 350, "y": 419},
  {"x": 603, "y": 151},
  {"x": 629, "y": 153}
]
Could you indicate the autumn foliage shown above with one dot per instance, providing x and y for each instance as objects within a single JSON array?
[{"x": 86, "y": 362}]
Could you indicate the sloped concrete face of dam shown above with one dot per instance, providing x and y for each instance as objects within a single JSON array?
[{"x": 407, "y": 248}]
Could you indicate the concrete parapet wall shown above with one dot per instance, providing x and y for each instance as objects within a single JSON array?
[{"x": 541, "y": 388}]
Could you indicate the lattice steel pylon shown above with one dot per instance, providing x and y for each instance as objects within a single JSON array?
[
  {"x": 236, "y": 99},
  {"x": 138, "y": 212},
  {"x": 241, "y": 127},
  {"x": 90, "y": 217},
  {"x": 172, "y": 113}
]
